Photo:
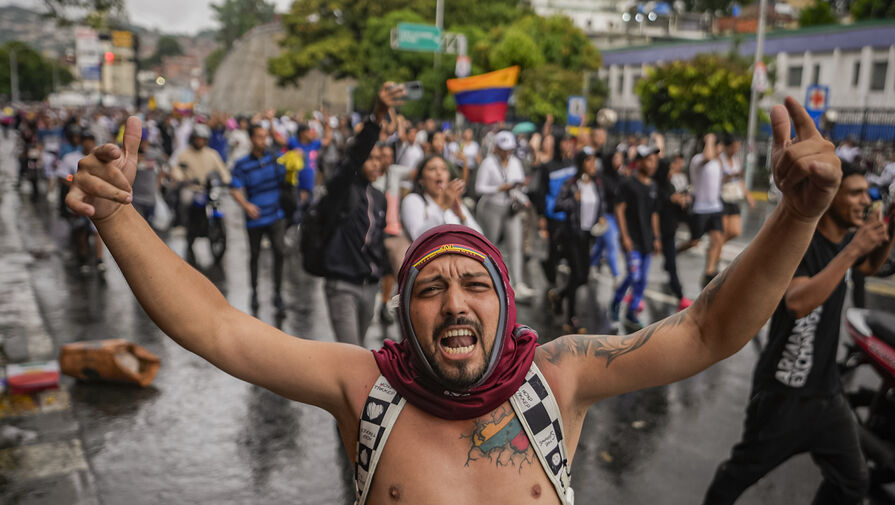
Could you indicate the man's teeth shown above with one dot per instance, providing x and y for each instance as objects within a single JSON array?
[
  {"x": 459, "y": 333},
  {"x": 459, "y": 350}
]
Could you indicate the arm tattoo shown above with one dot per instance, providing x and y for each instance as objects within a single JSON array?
[
  {"x": 499, "y": 437},
  {"x": 705, "y": 300},
  {"x": 608, "y": 346}
]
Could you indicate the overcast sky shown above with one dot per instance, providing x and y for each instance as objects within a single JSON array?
[{"x": 172, "y": 16}]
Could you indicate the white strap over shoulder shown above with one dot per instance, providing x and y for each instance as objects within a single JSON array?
[{"x": 376, "y": 422}]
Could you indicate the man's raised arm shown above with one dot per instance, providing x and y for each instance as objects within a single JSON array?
[
  {"x": 732, "y": 309},
  {"x": 187, "y": 307}
]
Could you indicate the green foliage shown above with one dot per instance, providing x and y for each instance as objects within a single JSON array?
[
  {"x": 94, "y": 13},
  {"x": 35, "y": 72},
  {"x": 239, "y": 16},
  {"x": 707, "y": 94},
  {"x": 213, "y": 61},
  {"x": 166, "y": 46},
  {"x": 818, "y": 13},
  {"x": 873, "y": 9},
  {"x": 347, "y": 38}
]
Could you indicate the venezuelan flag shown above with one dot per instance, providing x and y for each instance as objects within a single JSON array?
[{"x": 483, "y": 98}]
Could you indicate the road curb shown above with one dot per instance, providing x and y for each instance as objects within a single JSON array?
[{"x": 51, "y": 468}]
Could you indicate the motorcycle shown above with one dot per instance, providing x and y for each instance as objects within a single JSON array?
[
  {"x": 206, "y": 218},
  {"x": 872, "y": 345}
]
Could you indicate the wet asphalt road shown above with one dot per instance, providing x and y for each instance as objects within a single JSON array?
[{"x": 199, "y": 436}]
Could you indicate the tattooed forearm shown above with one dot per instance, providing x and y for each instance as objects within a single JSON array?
[
  {"x": 707, "y": 298},
  {"x": 608, "y": 346}
]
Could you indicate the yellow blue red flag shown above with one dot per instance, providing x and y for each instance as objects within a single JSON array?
[{"x": 483, "y": 98}]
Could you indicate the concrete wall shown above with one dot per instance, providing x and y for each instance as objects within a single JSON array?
[{"x": 242, "y": 85}]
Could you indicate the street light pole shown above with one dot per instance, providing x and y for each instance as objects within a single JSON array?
[
  {"x": 13, "y": 75},
  {"x": 753, "y": 102}
]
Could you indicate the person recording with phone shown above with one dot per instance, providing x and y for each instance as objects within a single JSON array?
[{"x": 499, "y": 182}]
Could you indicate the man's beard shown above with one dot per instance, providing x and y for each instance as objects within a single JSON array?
[{"x": 467, "y": 373}]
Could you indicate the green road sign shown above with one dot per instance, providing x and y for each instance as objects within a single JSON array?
[{"x": 413, "y": 37}]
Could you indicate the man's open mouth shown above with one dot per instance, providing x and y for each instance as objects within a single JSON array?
[{"x": 458, "y": 341}]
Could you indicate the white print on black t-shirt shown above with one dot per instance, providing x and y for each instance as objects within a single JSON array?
[{"x": 795, "y": 364}]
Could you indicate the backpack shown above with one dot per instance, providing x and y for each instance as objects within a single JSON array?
[
  {"x": 315, "y": 236},
  {"x": 318, "y": 225}
]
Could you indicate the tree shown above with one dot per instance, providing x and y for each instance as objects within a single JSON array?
[
  {"x": 873, "y": 9},
  {"x": 239, "y": 16},
  {"x": 327, "y": 34},
  {"x": 94, "y": 13},
  {"x": 818, "y": 13},
  {"x": 707, "y": 94},
  {"x": 166, "y": 46},
  {"x": 35, "y": 72}
]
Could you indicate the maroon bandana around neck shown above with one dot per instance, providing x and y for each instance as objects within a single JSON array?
[{"x": 404, "y": 364}]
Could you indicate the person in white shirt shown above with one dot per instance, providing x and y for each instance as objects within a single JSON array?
[
  {"x": 732, "y": 177},
  {"x": 436, "y": 200},
  {"x": 499, "y": 181},
  {"x": 706, "y": 177}
]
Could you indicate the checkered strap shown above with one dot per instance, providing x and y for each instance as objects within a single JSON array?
[
  {"x": 539, "y": 415},
  {"x": 376, "y": 422}
]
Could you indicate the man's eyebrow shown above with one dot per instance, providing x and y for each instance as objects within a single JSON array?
[{"x": 439, "y": 277}]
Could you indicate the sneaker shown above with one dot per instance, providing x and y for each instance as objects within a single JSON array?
[
  {"x": 614, "y": 309},
  {"x": 100, "y": 266},
  {"x": 385, "y": 315},
  {"x": 278, "y": 304},
  {"x": 629, "y": 298},
  {"x": 555, "y": 300},
  {"x": 85, "y": 269},
  {"x": 685, "y": 302},
  {"x": 632, "y": 323},
  {"x": 572, "y": 327},
  {"x": 523, "y": 292},
  {"x": 254, "y": 303}
]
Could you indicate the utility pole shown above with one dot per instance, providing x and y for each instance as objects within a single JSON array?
[
  {"x": 753, "y": 102},
  {"x": 13, "y": 75},
  {"x": 439, "y": 22}
]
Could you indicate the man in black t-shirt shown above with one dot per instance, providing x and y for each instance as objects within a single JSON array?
[
  {"x": 636, "y": 211},
  {"x": 797, "y": 403}
]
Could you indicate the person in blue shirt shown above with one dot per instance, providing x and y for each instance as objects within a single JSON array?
[
  {"x": 255, "y": 185},
  {"x": 305, "y": 140}
]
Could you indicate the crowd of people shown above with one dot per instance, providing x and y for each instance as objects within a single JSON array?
[
  {"x": 385, "y": 205},
  {"x": 587, "y": 202}
]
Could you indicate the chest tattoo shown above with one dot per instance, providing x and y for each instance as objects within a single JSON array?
[{"x": 500, "y": 438}]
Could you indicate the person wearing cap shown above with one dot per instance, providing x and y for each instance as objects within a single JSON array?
[
  {"x": 192, "y": 167},
  {"x": 467, "y": 408},
  {"x": 637, "y": 213},
  {"x": 581, "y": 199},
  {"x": 499, "y": 181}
]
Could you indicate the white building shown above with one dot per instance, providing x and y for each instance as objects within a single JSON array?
[
  {"x": 614, "y": 23},
  {"x": 856, "y": 61}
]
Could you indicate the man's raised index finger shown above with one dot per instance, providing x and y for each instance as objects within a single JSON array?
[{"x": 803, "y": 123}]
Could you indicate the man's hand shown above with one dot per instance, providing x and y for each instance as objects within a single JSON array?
[
  {"x": 627, "y": 244},
  {"x": 390, "y": 95},
  {"x": 103, "y": 181},
  {"x": 870, "y": 235},
  {"x": 806, "y": 169},
  {"x": 252, "y": 211}
]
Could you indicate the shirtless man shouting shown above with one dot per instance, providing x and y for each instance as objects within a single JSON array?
[{"x": 467, "y": 408}]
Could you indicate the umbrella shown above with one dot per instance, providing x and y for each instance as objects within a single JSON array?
[{"x": 524, "y": 127}]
